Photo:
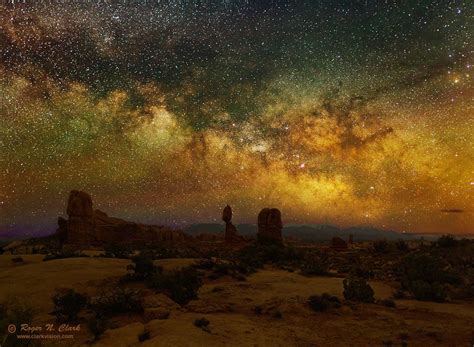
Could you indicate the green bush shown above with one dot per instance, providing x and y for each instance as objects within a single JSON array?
[
  {"x": 180, "y": 285},
  {"x": 321, "y": 303},
  {"x": 202, "y": 323},
  {"x": 381, "y": 246},
  {"x": 17, "y": 260},
  {"x": 387, "y": 303},
  {"x": 97, "y": 325},
  {"x": 144, "y": 336},
  {"x": 64, "y": 255},
  {"x": 357, "y": 289},
  {"x": 115, "y": 250},
  {"x": 425, "y": 291},
  {"x": 67, "y": 304},
  {"x": 12, "y": 311},
  {"x": 399, "y": 294},
  {"x": 426, "y": 268},
  {"x": 206, "y": 264},
  {"x": 144, "y": 266},
  {"x": 277, "y": 314},
  {"x": 447, "y": 241},
  {"x": 237, "y": 270},
  {"x": 425, "y": 276},
  {"x": 258, "y": 254},
  {"x": 361, "y": 272},
  {"x": 401, "y": 245},
  {"x": 314, "y": 266},
  {"x": 115, "y": 301}
]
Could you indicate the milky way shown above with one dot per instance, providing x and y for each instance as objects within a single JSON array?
[{"x": 337, "y": 112}]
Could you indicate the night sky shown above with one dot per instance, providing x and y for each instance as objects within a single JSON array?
[{"x": 337, "y": 112}]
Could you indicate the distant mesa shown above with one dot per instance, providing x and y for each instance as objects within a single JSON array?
[
  {"x": 270, "y": 225},
  {"x": 88, "y": 227},
  {"x": 452, "y": 210}
]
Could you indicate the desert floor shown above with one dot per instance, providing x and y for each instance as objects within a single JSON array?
[{"x": 229, "y": 306}]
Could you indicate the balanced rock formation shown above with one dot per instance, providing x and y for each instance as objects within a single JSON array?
[
  {"x": 270, "y": 225},
  {"x": 86, "y": 226},
  {"x": 231, "y": 234}
]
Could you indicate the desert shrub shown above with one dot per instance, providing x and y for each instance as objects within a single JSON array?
[
  {"x": 399, "y": 294},
  {"x": 223, "y": 269},
  {"x": 237, "y": 270},
  {"x": 314, "y": 266},
  {"x": 205, "y": 264},
  {"x": 97, "y": 325},
  {"x": 357, "y": 289},
  {"x": 465, "y": 292},
  {"x": 425, "y": 291},
  {"x": 425, "y": 276},
  {"x": 67, "y": 304},
  {"x": 447, "y": 241},
  {"x": 427, "y": 268},
  {"x": 277, "y": 314},
  {"x": 381, "y": 246},
  {"x": 387, "y": 303},
  {"x": 271, "y": 252},
  {"x": 17, "y": 260},
  {"x": 144, "y": 266},
  {"x": 248, "y": 260},
  {"x": 245, "y": 267},
  {"x": 361, "y": 272},
  {"x": 115, "y": 250},
  {"x": 116, "y": 301},
  {"x": 256, "y": 255},
  {"x": 167, "y": 253},
  {"x": 202, "y": 323},
  {"x": 144, "y": 336},
  {"x": 265, "y": 241},
  {"x": 64, "y": 255},
  {"x": 401, "y": 245},
  {"x": 320, "y": 303},
  {"x": 13, "y": 311},
  {"x": 180, "y": 285}
]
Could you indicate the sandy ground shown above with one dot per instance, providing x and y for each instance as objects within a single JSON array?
[{"x": 229, "y": 305}]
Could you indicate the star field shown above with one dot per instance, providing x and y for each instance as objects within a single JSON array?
[{"x": 339, "y": 112}]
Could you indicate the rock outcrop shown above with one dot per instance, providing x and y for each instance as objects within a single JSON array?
[
  {"x": 270, "y": 225},
  {"x": 79, "y": 205},
  {"x": 231, "y": 235},
  {"x": 86, "y": 226}
]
